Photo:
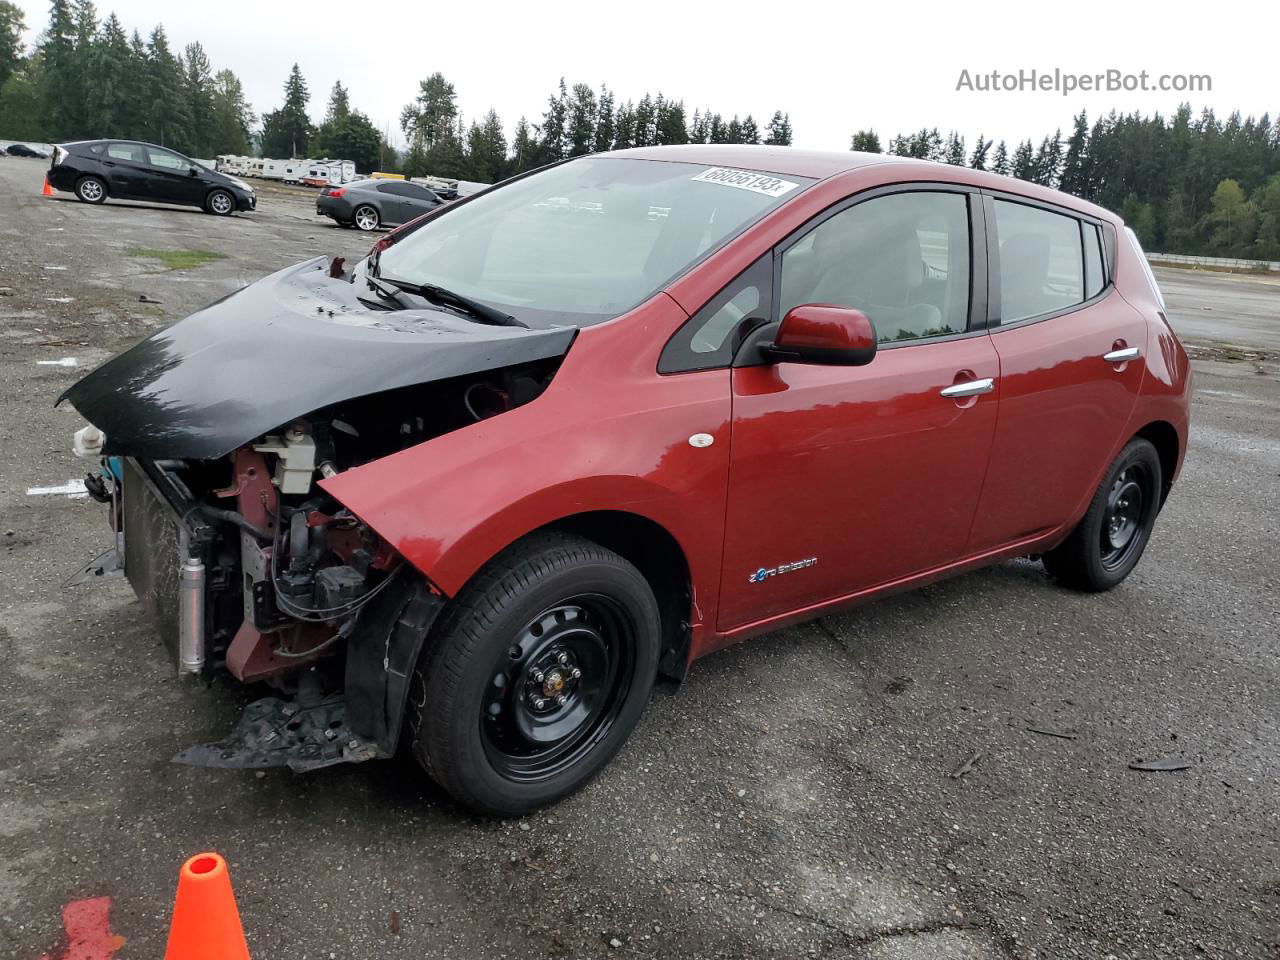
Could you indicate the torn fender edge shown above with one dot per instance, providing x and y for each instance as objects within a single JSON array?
[
  {"x": 364, "y": 724},
  {"x": 382, "y": 653}
]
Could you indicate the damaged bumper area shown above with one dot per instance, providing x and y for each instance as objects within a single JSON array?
[{"x": 213, "y": 435}]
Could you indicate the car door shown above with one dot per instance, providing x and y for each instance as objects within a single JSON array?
[
  {"x": 844, "y": 478},
  {"x": 1071, "y": 365},
  {"x": 124, "y": 165},
  {"x": 170, "y": 177},
  {"x": 418, "y": 200}
]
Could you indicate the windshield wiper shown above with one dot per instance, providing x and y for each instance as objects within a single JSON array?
[{"x": 446, "y": 298}]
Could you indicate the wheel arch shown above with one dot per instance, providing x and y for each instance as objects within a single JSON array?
[{"x": 1164, "y": 437}]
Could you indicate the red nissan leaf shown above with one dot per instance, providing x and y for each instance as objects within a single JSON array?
[{"x": 472, "y": 497}]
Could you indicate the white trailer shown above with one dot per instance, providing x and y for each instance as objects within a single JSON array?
[{"x": 273, "y": 169}]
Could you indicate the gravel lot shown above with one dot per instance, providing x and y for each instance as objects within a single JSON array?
[{"x": 792, "y": 799}]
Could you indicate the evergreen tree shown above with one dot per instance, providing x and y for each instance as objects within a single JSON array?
[
  {"x": 581, "y": 115},
  {"x": 552, "y": 135},
  {"x": 1024, "y": 161},
  {"x": 624, "y": 127},
  {"x": 432, "y": 115},
  {"x": 717, "y": 132},
  {"x": 1000, "y": 160},
  {"x": 867, "y": 141},
  {"x": 750, "y": 132},
  {"x": 733, "y": 132},
  {"x": 700, "y": 127},
  {"x": 525, "y": 148},
  {"x": 954, "y": 154},
  {"x": 779, "y": 130},
  {"x": 604, "y": 122},
  {"x": 644, "y": 130},
  {"x": 487, "y": 150},
  {"x": 1047, "y": 165},
  {"x": 12, "y": 26},
  {"x": 57, "y": 53},
  {"x": 978, "y": 159},
  {"x": 348, "y": 134},
  {"x": 231, "y": 118},
  {"x": 199, "y": 94},
  {"x": 670, "y": 122},
  {"x": 1075, "y": 164},
  {"x": 110, "y": 111},
  {"x": 167, "y": 120},
  {"x": 288, "y": 131}
]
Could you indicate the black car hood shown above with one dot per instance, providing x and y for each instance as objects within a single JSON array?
[{"x": 276, "y": 350}]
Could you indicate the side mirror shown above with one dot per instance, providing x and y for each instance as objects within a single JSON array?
[
  {"x": 824, "y": 333},
  {"x": 194, "y": 171}
]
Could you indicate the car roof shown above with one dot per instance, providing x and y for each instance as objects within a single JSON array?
[{"x": 821, "y": 164}]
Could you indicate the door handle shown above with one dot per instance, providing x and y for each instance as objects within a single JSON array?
[
  {"x": 971, "y": 388},
  {"x": 1121, "y": 356}
]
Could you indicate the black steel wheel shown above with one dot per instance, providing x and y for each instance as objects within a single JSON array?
[
  {"x": 1108, "y": 542},
  {"x": 536, "y": 675}
]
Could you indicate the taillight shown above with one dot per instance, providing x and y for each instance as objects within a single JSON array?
[{"x": 333, "y": 191}]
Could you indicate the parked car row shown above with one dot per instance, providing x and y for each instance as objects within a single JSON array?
[{"x": 130, "y": 170}]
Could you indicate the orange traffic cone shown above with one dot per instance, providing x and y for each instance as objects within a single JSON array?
[
  {"x": 206, "y": 923},
  {"x": 47, "y": 191}
]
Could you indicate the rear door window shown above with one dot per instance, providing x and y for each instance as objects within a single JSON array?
[{"x": 1041, "y": 261}]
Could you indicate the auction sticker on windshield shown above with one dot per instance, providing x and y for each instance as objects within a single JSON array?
[{"x": 743, "y": 180}]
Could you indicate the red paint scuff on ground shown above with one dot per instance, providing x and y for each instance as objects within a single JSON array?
[{"x": 88, "y": 928}]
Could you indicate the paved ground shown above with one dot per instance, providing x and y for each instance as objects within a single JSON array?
[
  {"x": 1227, "y": 308},
  {"x": 793, "y": 799}
]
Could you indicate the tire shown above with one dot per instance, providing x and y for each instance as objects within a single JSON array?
[
  {"x": 1107, "y": 543},
  {"x": 483, "y": 718},
  {"x": 220, "y": 203},
  {"x": 91, "y": 190},
  {"x": 366, "y": 218}
]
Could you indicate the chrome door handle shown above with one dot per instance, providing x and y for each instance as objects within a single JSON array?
[
  {"x": 971, "y": 388},
  {"x": 1120, "y": 356}
]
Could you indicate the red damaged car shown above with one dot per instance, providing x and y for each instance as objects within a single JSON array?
[{"x": 476, "y": 494}]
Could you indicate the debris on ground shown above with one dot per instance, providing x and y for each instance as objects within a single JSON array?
[
  {"x": 1168, "y": 764},
  {"x": 968, "y": 765},
  {"x": 144, "y": 298},
  {"x": 1053, "y": 732}
]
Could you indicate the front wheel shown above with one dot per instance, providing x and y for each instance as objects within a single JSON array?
[
  {"x": 1108, "y": 542},
  {"x": 536, "y": 676},
  {"x": 220, "y": 203}
]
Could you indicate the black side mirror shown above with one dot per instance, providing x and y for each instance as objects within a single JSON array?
[{"x": 195, "y": 171}]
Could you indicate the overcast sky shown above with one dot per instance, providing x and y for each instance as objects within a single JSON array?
[{"x": 892, "y": 67}]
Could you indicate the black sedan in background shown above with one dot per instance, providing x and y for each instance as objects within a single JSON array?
[
  {"x": 369, "y": 204},
  {"x": 22, "y": 150},
  {"x": 128, "y": 170}
]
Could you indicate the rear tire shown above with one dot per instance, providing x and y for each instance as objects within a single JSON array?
[
  {"x": 535, "y": 676},
  {"x": 365, "y": 218},
  {"x": 1107, "y": 543},
  {"x": 91, "y": 190},
  {"x": 220, "y": 203}
]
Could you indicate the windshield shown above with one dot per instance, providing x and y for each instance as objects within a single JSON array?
[{"x": 586, "y": 240}]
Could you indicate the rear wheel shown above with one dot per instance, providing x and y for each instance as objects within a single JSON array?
[
  {"x": 91, "y": 190},
  {"x": 536, "y": 676},
  {"x": 220, "y": 203},
  {"x": 366, "y": 218},
  {"x": 1108, "y": 542}
]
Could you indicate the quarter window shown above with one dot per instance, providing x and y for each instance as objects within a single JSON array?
[
  {"x": 1041, "y": 261},
  {"x": 902, "y": 259},
  {"x": 1094, "y": 278},
  {"x": 131, "y": 152}
]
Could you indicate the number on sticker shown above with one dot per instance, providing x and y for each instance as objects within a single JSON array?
[{"x": 746, "y": 180}]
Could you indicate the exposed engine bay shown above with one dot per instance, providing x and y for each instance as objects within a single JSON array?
[{"x": 241, "y": 559}]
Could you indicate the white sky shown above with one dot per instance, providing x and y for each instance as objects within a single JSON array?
[{"x": 892, "y": 67}]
